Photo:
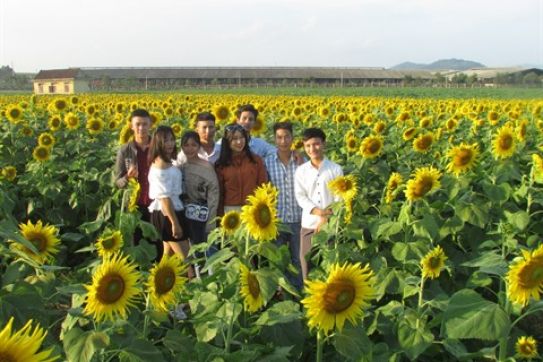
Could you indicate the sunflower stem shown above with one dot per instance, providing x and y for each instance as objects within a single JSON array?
[
  {"x": 319, "y": 346},
  {"x": 247, "y": 246},
  {"x": 420, "y": 303},
  {"x": 146, "y": 319}
]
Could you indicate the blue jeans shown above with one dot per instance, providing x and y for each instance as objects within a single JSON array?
[{"x": 293, "y": 241}]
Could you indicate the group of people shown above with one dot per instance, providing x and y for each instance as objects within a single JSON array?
[{"x": 183, "y": 192}]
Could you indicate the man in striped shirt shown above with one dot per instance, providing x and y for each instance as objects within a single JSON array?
[{"x": 281, "y": 166}]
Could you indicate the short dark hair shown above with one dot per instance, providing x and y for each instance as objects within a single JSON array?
[
  {"x": 247, "y": 108},
  {"x": 283, "y": 125},
  {"x": 140, "y": 113},
  {"x": 190, "y": 135},
  {"x": 204, "y": 116},
  {"x": 313, "y": 133}
]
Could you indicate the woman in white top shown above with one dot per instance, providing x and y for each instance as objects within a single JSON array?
[{"x": 165, "y": 189}]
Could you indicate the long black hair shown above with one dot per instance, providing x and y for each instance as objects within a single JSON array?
[
  {"x": 225, "y": 158},
  {"x": 156, "y": 149}
]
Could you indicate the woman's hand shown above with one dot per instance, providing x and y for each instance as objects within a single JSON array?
[{"x": 177, "y": 231}]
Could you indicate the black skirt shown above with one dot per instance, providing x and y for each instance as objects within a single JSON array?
[{"x": 164, "y": 227}]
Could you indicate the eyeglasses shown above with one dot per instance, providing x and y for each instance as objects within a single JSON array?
[{"x": 234, "y": 127}]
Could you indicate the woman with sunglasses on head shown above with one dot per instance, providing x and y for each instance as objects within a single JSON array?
[
  {"x": 239, "y": 171},
  {"x": 165, "y": 188}
]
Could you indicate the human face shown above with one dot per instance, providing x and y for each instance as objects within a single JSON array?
[
  {"x": 314, "y": 147},
  {"x": 237, "y": 143},
  {"x": 169, "y": 144},
  {"x": 247, "y": 120},
  {"x": 190, "y": 148},
  {"x": 206, "y": 131},
  {"x": 140, "y": 126},
  {"x": 283, "y": 140}
]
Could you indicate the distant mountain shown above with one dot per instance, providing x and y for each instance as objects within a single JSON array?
[{"x": 456, "y": 64}]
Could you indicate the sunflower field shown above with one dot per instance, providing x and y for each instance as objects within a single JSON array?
[{"x": 435, "y": 252}]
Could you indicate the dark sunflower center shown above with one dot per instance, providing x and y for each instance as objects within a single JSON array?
[
  {"x": 374, "y": 146},
  {"x": 232, "y": 222},
  {"x": 39, "y": 241},
  {"x": 95, "y": 126},
  {"x": 339, "y": 296},
  {"x": 263, "y": 215},
  {"x": 505, "y": 142},
  {"x": 424, "y": 142},
  {"x": 42, "y": 152},
  {"x": 352, "y": 143},
  {"x": 434, "y": 262},
  {"x": 254, "y": 286},
  {"x": 15, "y": 113},
  {"x": 108, "y": 243},
  {"x": 110, "y": 288},
  {"x": 345, "y": 185},
  {"x": 423, "y": 186},
  {"x": 462, "y": 157},
  {"x": 164, "y": 280},
  {"x": 7, "y": 357},
  {"x": 222, "y": 113},
  {"x": 531, "y": 275},
  {"x": 526, "y": 349}
]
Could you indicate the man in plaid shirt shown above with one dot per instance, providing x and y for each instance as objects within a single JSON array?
[{"x": 281, "y": 167}]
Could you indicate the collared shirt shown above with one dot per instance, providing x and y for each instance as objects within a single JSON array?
[
  {"x": 282, "y": 177},
  {"x": 209, "y": 157},
  {"x": 261, "y": 147},
  {"x": 311, "y": 189}
]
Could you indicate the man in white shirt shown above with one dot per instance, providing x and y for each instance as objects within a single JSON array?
[
  {"x": 311, "y": 188},
  {"x": 209, "y": 150}
]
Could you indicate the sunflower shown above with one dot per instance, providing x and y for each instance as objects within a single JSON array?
[
  {"x": 342, "y": 296},
  {"x": 426, "y": 180},
  {"x": 379, "y": 127},
  {"x": 95, "y": 126},
  {"x": 14, "y": 113},
  {"x": 451, "y": 124},
  {"x": 27, "y": 131},
  {"x": 42, "y": 237},
  {"x": 260, "y": 213},
  {"x": 493, "y": 117},
  {"x": 134, "y": 189},
  {"x": 90, "y": 110},
  {"x": 113, "y": 290},
  {"x": 54, "y": 123},
  {"x": 109, "y": 243},
  {"x": 177, "y": 129},
  {"x": 351, "y": 144},
  {"x": 433, "y": 263},
  {"x": 41, "y": 153},
  {"x": 409, "y": 133},
  {"x": 24, "y": 344},
  {"x": 394, "y": 181},
  {"x": 9, "y": 173},
  {"x": 221, "y": 112},
  {"x": 504, "y": 144},
  {"x": 344, "y": 187},
  {"x": 250, "y": 290},
  {"x": 423, "y": 142},
  {"x": 46, "y": 139},
  {"x": 126, "y": 134},
  {"x": 71, "y": 120},
  {"x": 521, "y": 130},
  {"x": 166, "y": 282},
  {"x": 297, "y": 144},
  {"x": 526, "y": 347},
  {"x": 525, "y": 277},
  {"x": 58, "y": 105},
  {"x": 371, "y": 146},
  {"x": 230, "y": 222},
  {"x": 537, "y": 168},
  {"x": 463, "y": 158},
  {"x": 324, "y": 111}
]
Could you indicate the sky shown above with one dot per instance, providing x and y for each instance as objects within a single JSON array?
[{"x": 38, "y": 34}]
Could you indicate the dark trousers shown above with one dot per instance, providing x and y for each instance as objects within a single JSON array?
[{"x": 138, "y": 234}]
